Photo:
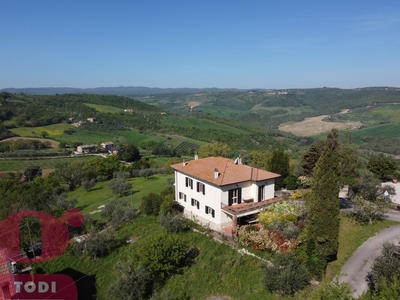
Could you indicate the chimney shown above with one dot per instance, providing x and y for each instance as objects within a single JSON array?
[
  {"x": 216, "y": 173},
  {"x": 196, "y": 156},
  {"x": 184, "y": 162},
  {"x": 238, "y": 160}
]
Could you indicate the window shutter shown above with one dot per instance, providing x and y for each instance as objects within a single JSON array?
[
  {"x": 186, "y": 181},
  {"x": 198, "y": 186},
  {"x": 198, "y": 205},
  {"x": 204, "y": 189},
  {"x": 213, "y": 213},
  {"x": 239, "y": 196},
  {"x": 206, "y": 209},
  {"x": 192, "y": 202},
  {"x": 230, "y": 196}
]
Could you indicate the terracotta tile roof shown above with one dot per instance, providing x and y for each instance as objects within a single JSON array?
[{"x": 229, "y": 172}]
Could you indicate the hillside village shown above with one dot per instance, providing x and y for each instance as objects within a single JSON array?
[{"x": 191, "y": 204}]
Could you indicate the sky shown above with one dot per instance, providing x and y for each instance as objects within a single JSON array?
[{"x": 197, "y": 44}]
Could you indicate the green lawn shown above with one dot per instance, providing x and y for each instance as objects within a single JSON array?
[
  {"x": 352, "y": 235},
  {"x": 101, "y": 193}
]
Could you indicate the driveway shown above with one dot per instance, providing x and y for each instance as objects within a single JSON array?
[{"x": 356, "y": 269}]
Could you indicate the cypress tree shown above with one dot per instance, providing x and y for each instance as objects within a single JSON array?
[
  {"x": 323, "y": 203},
  {"x": 279, "y": 163}
]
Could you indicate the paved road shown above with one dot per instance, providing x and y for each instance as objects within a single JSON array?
[{"x": 356, "y": 269}]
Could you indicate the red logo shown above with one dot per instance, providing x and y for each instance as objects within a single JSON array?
[{"x": 55, "y": 239}]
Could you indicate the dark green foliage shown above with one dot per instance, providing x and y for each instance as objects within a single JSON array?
[
  {"x": 88, "y": 184},
  {"x": 102, "y": 167},
  {"x": 5, "y": 133},
  {"x": 291, "y": 182},
  {"x": 172, "y": 222},
  {"x": 118, "y": 211},
  {"x": 382, "y": 166},
  {"x": 379, "y": 144},
  {"x": 332, "y": 291},
  {"x": 31, "y": 172},
  {"x": 311, "y": 157},
  {"x": 386, "y": 267},
  {"x": 130, "y": 283},
  {"x": 323, "y": 202},
  {"x": 347, "y": 156},
  {"x": 70, "y": 173},
  {"x": 369, "y": 187},
  {"x": 97, "y": 245},
  {"x": 161, "y": 254},
  {"x": 23, "y": 144},
  {"x": 286, "y": 275},
  {"x": 279, "y": 163},
  {"x": 129, "y": 153},
  {"x": 150, "y": 204},
  {"x": 119, "y": 186}
]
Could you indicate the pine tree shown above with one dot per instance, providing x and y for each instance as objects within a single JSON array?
[{"x": 323, "y": 203}]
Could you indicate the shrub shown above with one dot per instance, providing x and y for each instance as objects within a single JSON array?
[
  {"x": 161, "y": 254},
  {"x": 130, "y": 283},
  {"x": 385, "y": 267},
  {"x": 150, "y": 204},
  {"x": 286, "y": 276},
  {"x": 173, "y": 222},
  {"x": 264, "y": 239}
]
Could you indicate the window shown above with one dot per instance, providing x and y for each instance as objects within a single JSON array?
[
  {"x": 182, "y": 196},
  {"x": 210, "y": 211},
  {"x": 189, "y": 182},
  {"x": 235, "y": 196},
  {"x": 196, "y": 203},
  {"x": 261, "y": 193},
  {"x": 201, "y": 188}
]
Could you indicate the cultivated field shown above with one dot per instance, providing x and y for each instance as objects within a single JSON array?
[
  {"x": 53, "y": 144},
  {"x": 315, "y": 125}
]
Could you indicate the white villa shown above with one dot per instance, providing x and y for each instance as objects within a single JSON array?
[{"x": 222, "y": 193}]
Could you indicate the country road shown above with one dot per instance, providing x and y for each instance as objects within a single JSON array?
[{"x": 356, "y": 269}]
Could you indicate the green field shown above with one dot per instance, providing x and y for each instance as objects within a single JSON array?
[
  {"x": 45, "y": 163},
  {"x": 383, "y": 131},
  {"x": 223, "y": 112},
  {"x": 105, "y": 108},
  {"x": 101, "y": 193},
  {"x": 203, "y": 124},
  {"x": 54, "y": 130}
]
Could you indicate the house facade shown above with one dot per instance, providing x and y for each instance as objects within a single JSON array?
[
  {"x": 107, "y": 145},
  {"x": 86, "y": 148},
  {"x": 222, "y": 193}
]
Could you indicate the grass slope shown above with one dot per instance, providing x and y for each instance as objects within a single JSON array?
[
  {"x": 105, "y": 108},
  {"x": 101, "y": 193}
]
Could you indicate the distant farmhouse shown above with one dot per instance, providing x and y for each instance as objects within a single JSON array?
[
  {"x": 107, "y": 145},
  {"x": 86, "y": 148},
  {"x": 223, "y": 193}
]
